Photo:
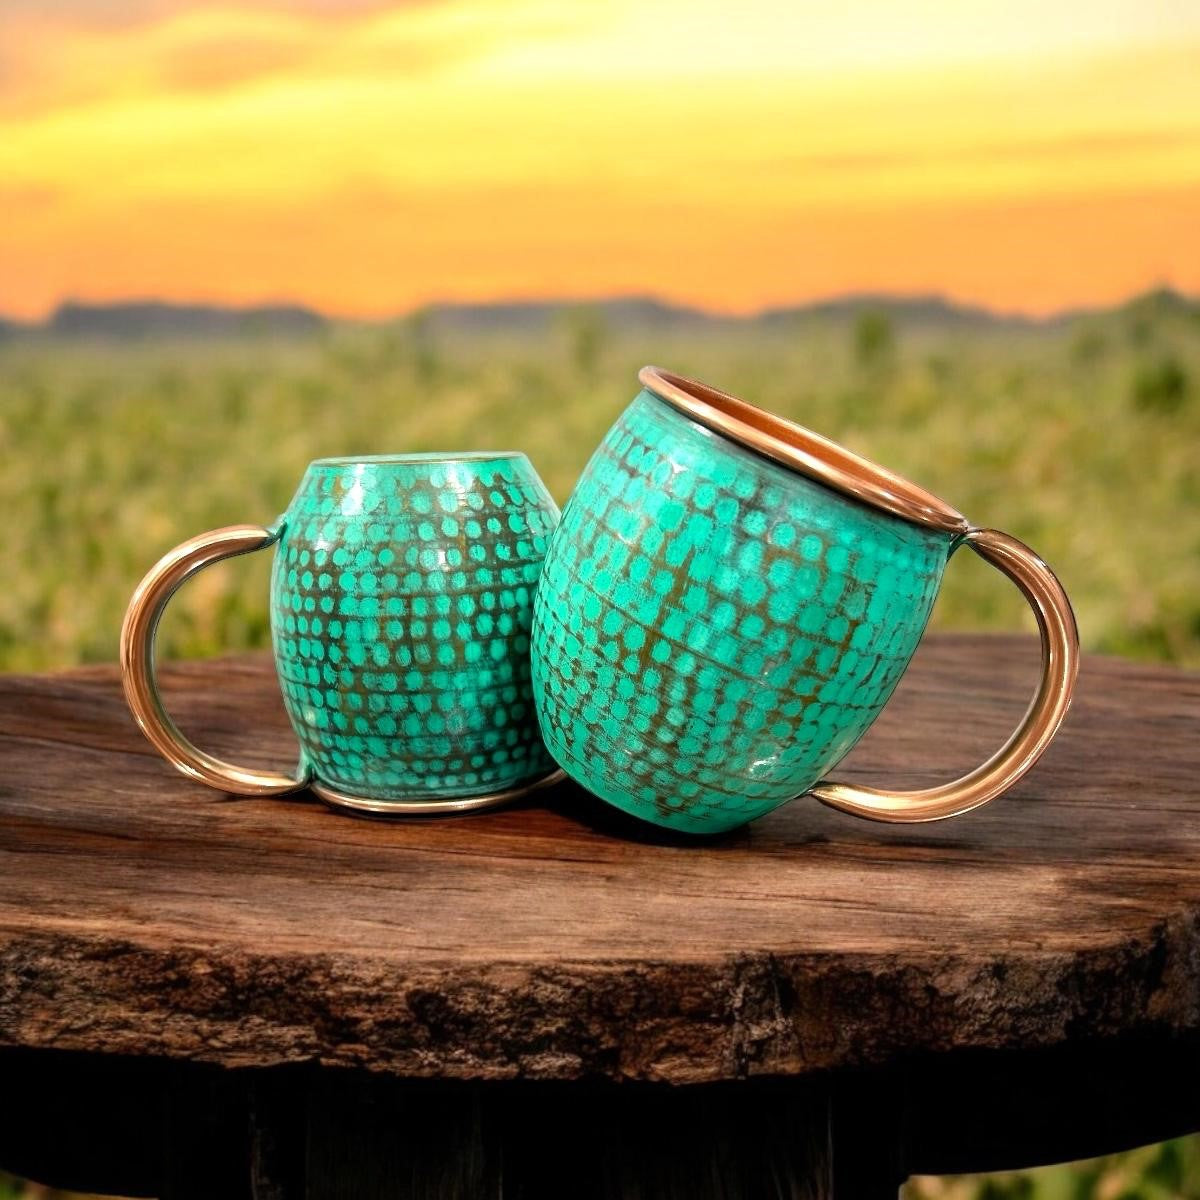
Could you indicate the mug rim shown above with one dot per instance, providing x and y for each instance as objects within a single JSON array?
[
  {"x": 417, "y": 458},
  {"x": 800, "y": 449}
]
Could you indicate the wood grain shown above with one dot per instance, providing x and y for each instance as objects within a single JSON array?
[{"x": 143, "y": 914}]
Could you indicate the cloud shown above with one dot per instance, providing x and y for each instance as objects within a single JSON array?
[
  {"x": 127, "y": 14},
  {"x": 372, "y": 157},
  {"x": 67, "y": 53},
  {"x": 1097, "y": 145}
]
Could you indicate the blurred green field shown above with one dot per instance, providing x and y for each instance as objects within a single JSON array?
[{"x": 1082, "y": 439}]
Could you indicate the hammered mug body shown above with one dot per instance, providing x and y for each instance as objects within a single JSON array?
[
  {"x": 716, "y": 626},
  {"x": 401, "y": 604}
]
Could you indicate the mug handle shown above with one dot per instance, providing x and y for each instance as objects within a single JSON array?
[
  {"x": 139, "y": 674},
  {"x": 1060, "y": 667}
]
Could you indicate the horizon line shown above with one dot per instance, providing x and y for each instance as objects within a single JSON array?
[{"x": 832, "y": 299}]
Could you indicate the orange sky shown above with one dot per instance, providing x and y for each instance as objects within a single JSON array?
[{"x": 366, "y": 158}]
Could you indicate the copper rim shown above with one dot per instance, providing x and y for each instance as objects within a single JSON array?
[
  {"x": 365, "y": 806},
  {"x": 801, "y": 450}
]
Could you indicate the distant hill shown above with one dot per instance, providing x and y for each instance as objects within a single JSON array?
[
  {"x": 647, "y": 313},
  {"x": 908, "y": 310},
  {"x": 149, "y": 319},
  {"x": 531, "y": 316},
  {"x": 154, "y": 319}
]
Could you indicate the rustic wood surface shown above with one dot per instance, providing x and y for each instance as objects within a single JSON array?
[{"x": 143, "y": 914}]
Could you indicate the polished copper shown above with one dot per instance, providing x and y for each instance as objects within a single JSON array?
[
  {"x": 802, "y": 450},
  {"x": 364, "y": 806},
  {"x": 1060, "y": 669},
  {"x": 138, "y": 667}
]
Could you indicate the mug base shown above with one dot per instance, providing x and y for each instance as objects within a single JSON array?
[{"x": 369, "y": 807}]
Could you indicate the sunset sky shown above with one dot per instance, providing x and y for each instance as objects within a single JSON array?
[{"x": 366, "y": 158}]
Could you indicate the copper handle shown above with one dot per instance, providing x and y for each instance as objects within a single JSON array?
[
  {"x": 1060, "y": 666},
  {"x": 138, "y": 661}
]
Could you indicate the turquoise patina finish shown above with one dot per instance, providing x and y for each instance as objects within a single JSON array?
[
  {"x": 401, "y": 603},
  {"x": 713, "y": 631}
]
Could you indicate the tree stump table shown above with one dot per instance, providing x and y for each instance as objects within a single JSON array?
[{"x": 203, "y": 996}]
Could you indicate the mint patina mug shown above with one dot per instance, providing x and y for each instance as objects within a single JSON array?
[
  {"x": 401, "y": 603},
  {"x": 729, "y": 601}
]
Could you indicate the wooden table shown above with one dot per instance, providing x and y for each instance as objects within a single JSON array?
[{"x": 203, "y": 996}]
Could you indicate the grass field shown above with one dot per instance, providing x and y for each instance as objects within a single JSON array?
[{"x": 1082, "y": 439}]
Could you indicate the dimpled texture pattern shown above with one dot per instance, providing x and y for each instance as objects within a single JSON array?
[
  {"x": 401, "y": 602},
  {"x": 713, "y": 631}
]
